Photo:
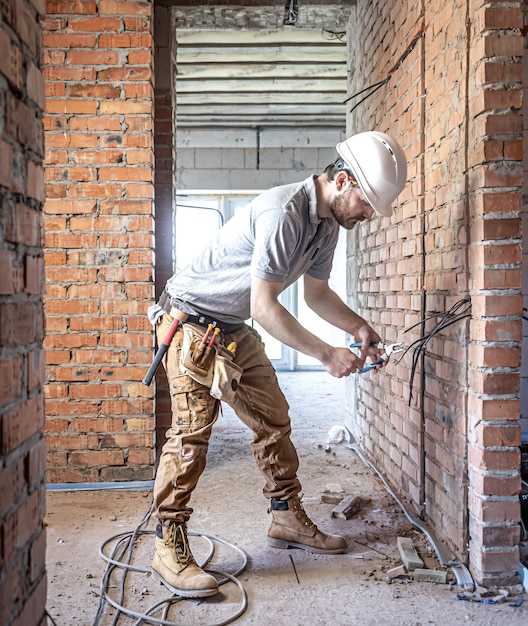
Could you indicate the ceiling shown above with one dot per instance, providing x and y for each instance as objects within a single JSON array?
[{"x": 286, "y": 76}]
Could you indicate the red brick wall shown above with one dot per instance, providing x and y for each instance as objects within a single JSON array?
[
  {"x": 22, "y": 446},
  {"x": 99, "y": 238},
  {"x": 454, "y": 103}
]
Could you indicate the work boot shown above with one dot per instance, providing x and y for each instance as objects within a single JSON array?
[
  {"x": 290, "y": 527},
  {"x": 174, "y": 565}
]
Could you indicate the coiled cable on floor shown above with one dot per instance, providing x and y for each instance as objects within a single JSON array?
[{"x": 120, "y": 557}]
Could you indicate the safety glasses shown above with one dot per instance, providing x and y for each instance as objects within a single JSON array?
[{"x": 362, "y": 196}]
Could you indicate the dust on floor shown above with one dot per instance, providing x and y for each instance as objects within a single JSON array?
[{"x": 291, "y": 587}]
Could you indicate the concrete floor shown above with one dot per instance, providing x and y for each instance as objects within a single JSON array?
[{"x": 281, "y": 586}]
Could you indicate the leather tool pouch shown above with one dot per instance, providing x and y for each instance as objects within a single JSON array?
[
  {"x": 196, "y": 359},
  {"x": 226, "y": 376},
  {"x": 212, "y": 367}
]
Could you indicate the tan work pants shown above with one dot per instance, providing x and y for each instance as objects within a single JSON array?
[{"x": 259, "y": 403}]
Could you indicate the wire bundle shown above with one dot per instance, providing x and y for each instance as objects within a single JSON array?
[
  {"x": 460, "y": 310},
  {"x": 371, "y": 89},
  {"x": 120, "y": 557}
]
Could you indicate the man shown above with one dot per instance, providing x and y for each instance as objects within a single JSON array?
[{"x": 285, "y": 233}]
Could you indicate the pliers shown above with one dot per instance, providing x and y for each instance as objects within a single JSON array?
[{"x": 390, "y": 348}]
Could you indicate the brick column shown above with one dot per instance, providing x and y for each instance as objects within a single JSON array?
[
  {"x": 495, "y": 162},
  {"x": 164, "y": 142},
  {"x": 99, "y": 246},
  {"x": 22, "y": 446}
]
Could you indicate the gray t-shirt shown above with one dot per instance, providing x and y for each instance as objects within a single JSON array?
[{"x": 277, "y": 237}]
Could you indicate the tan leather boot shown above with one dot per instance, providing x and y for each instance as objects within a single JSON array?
[
  {"x": 290, "y": 527},
  {"x": 174, "y": 565}
]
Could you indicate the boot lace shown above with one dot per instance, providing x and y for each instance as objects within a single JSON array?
[
  {"x": 301, "y": 513},
  {"x": 177, "y": 537}
]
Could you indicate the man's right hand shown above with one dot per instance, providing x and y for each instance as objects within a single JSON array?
[{"x": 342, "y": 362}]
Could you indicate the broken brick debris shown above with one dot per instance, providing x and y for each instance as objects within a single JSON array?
[
  {"x": 347, "y": 508},
  {"x": 401, "y": 570},
  {"x": 408, "y": 554},
  {"x": 424, "y": 575},
  {"x": 331, "y": 498}
]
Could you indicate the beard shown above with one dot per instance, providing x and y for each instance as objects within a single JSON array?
[{"x": 341, "y": 211}]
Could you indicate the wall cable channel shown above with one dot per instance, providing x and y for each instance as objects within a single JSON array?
[{"x": 462, "y": 574}]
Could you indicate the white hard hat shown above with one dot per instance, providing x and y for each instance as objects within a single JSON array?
[{"x": 379, "y": 165}]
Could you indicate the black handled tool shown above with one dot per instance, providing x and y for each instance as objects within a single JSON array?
[{"x": 161, "y": 352}]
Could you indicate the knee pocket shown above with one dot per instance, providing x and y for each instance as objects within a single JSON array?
[{"x": 192, "y": 405}]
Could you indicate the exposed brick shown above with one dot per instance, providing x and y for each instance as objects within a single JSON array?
[
  {"x": 495, "y": 357},
  {"x": 494, "y": 460},
  {"x": 11, "y": 379},
  {"x": 10, "y": 277},
  {"x": 141, "y": 457},
  {"x": 486, "y": 279},
  {"x": 97, "y": 458},
  {"x": 505, "y": 536},
  {"x": 95, "y": 23},
  {"x": 95, "y": 425},
  {"x": 491, "y": 18},
  {"x": 34, "y": 275},
  {"x": 126, "y": 40},
  {"x": 491, "y": 511},
  {"x": 21, "y": 423},
  {"x": 489, "y": 485},
  {"x": 497, "y": 331},
  {"x": 36, "y": 463},
  {"x": 12, "y": 484},
  {"x": 22, "y": 323},
  {"x": 122, "y": 7},
  {"x": 66, "y": 7},
  {"x": 69, "y": 40},
  {"x": 37, "y": 556},
  {"x": 65, "y": 474},
  {"x": 91, "y": 58},
  {"x": 491, "y": 202},
  {"x": 495, "y": 382},
  {"x": 28, "y": 516},
  {"x": 35, "y": 370},
  {"x": 505, "y": 561},
  {"x": 489, "y": 435},
  {"x": 73, "y": 442}
]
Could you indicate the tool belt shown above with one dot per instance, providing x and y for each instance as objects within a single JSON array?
[
  {"x": 199, "y": 318},
  {"x": 204, "y": 361},
  {"x": 210, "y": 365}
]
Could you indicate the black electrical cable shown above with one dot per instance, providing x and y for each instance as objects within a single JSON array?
[
  {"x": 291, "y": 13},
  {"x": 48, "y": 615},
  {"x": 418, "y": 347},
  {"x": 332, "y": 34},
  {"x": 374, "y": 87}
]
